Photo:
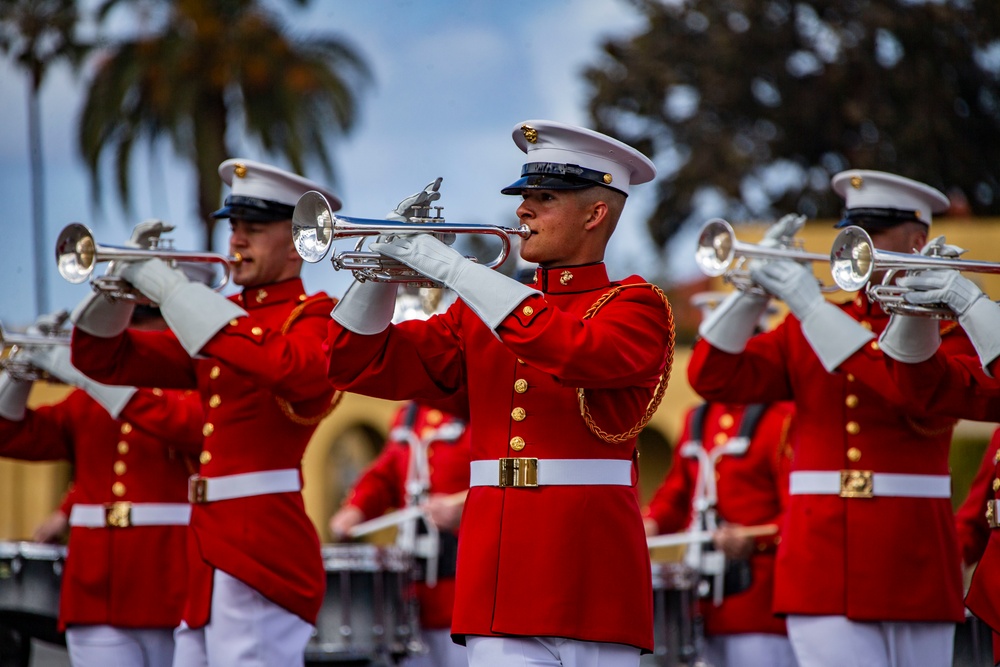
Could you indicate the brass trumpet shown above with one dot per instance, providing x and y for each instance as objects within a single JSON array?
[
  {"x": 17, "y": 367},
  {"x": 719, "y": 253},
  {"x": 77, "y": 254},
  {"x": 315, "y": 227},
  {"x": 854, "y": 259}
]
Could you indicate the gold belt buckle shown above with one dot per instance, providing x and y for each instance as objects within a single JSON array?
[
  {"x": 198, "y": 490},
  {"x": 856, "y": 484},
  {"x": 118, "y": 515},
  {"x": 519, "y": 472},
  {"x": 991, "y": 514}
]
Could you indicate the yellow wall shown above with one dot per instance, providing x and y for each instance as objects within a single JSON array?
[{"x": 30, "y": 491}]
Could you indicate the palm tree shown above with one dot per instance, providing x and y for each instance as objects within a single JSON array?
[
  {"x": 39, "y": 33},
  {"x": 215, "y": 64}
]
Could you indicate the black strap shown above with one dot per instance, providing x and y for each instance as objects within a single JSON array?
[
  {"x": 410, "y": 416},
  {"x": 751, "y": 417},
  {"x": 696, "y": 423}
]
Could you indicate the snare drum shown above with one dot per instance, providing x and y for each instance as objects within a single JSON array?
[
  {"x": 677, "y": 630},
  {"x": 369, "y": 614},
  {"x": 30, "y": 578}
]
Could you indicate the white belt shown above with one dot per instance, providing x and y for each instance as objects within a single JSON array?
[
  {"x": 868, "y": 484},
  {"x": 528, "y": 472},
  {"x": 243, "y": 485},
  {"x": 125, "y": 514}
]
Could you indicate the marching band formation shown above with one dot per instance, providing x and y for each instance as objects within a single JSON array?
[{"x": 811, "y": 490}]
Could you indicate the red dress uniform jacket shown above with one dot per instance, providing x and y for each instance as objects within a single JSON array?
[
  {"x": 956, "y": 386},
  {"x": 752, "y": 490},
  {"x": 869, "y": 559},
  {"x": 953, "y": 385},
  {"x": 565, "y": 561},
  {"x": 113, "y": 576},
  {"x": 263, "y": 385},
  {"x": 970, "y": 519},
  {"x": 383, "y": 487}
]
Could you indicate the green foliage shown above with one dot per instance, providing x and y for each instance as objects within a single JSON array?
[
  {"x": 212, "y": 66},
  {"x": 754, "y": 104},
  {"x": 37, "y": 33}
]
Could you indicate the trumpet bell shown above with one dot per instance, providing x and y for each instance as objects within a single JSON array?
[
  {"x": 852, "y": 259},
  {"x": 312, "y": 226},
  {"x": 716, "y": 247},
  {"x": 76, "y": 253}
]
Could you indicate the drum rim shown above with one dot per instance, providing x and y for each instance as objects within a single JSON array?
[
  {"x": 364, "y": 557},
  {"x": 32, "y": 551},
  {"x": 673, "y": 576}
]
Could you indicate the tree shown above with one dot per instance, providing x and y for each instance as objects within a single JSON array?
[
  {"x": 39, "y": 33},
  {"x": 749, "y": 106},
  {"x": 215, "y": 65}
]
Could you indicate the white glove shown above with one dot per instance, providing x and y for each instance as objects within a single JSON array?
[
  {"x": 981, "y": 322},
  {"x": 490, "y": 294},
  {"x": 945, "y": 286},
  {"x": 412, "y": 205},
  {"x": 833, "y": 334},
  {"x": 99, "y": 315},
  {"x": 147, "y": 232},
  {"x": 50, "y": 323},
  {"x": 193, "y": 311},
  {"x": 781, "y": 232},
  {"x": 733, "y": 321},
  {"x": 791, "y": 282},
  {"x": 910, "y": 339},
  {"x": 55, "y": 360},
  {"x": 13, "y": 397},
  {"x": 367, "y": 307}
]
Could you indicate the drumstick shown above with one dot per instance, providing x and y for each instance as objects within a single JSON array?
[
  {"x": 691, "y": 537},
  {"x": 401, "y": 516}
]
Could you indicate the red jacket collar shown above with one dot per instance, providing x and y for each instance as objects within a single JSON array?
[
  {"x": 264, "y": 295},
  {"x": 571, "y": 279}
]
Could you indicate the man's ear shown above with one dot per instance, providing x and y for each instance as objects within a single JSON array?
[{"x": 598, "y": 215}]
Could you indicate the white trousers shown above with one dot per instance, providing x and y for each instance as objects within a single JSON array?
[
  {"x": 107, "y": 646},
  {"x": 749, "y": 650},
  {"x": 548, "y": 652},
  {"x": 835, "y": 641},
  {"x": 246, "y": 630},
  {"x": 441, "y": 651}
]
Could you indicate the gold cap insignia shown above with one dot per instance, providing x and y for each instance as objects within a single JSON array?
[
  {"x": 857, "y": 182},
  {"x": 240, "y": 170},
  {"x": 607, "y": 179},
  {"x": 530, "y": 133}
]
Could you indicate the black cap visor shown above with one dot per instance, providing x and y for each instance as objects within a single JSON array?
[
  {"x": 556, "y": 176},
  {"x": 254, "y": 209},
  {"x": 877, "y": 219}
]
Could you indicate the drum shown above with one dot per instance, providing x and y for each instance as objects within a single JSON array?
[
  {"x": 30, "y": 578},
  {"x": 369, "y": 614},
  {"x": 677, "y": 629}
]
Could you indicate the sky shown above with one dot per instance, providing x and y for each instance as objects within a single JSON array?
[{"x": 452, "y": 78}]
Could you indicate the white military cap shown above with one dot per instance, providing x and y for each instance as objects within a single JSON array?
[
  {"x": 566, "y": 157},
  {"x": 262, "y": 193},
  {"x": 878, "y": 199}
]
